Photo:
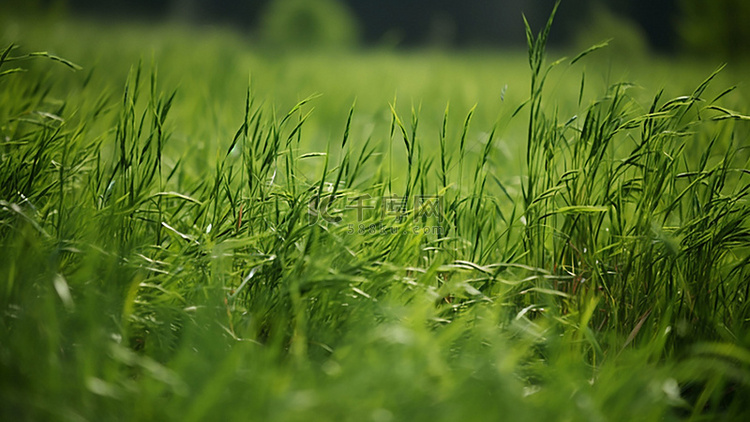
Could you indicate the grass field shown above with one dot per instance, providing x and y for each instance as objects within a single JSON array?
[{"x": 194, "y": 227}]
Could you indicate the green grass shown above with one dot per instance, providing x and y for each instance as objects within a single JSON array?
[{"x": 180, "y": 244}]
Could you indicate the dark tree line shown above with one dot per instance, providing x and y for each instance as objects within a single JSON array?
[{"x": 414, "y": 22}]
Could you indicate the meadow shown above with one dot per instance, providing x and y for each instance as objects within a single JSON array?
[{"x": 196, "y": 227}]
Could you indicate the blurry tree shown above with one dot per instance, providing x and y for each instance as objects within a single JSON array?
[
  {"x": 703, "y": 26},
  {"x": 718, "y": 27},
  {"x": 627, "y": 38},
  {"x": 309, "y": 24}
]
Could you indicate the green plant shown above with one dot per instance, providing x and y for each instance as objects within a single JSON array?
[{"x": 300, "y": 24}]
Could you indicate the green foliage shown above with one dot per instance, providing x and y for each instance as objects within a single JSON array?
[
  {"x": 301, "y": 24},
  {"x": 716, "y": 28}
]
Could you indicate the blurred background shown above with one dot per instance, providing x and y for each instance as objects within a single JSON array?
[{"x": 692, "y": 27}]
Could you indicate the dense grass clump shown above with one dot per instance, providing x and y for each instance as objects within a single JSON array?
[{"x": 400, "y": 275}]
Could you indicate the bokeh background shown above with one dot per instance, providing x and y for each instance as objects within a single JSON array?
[{"x": 696, "y": 27}]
